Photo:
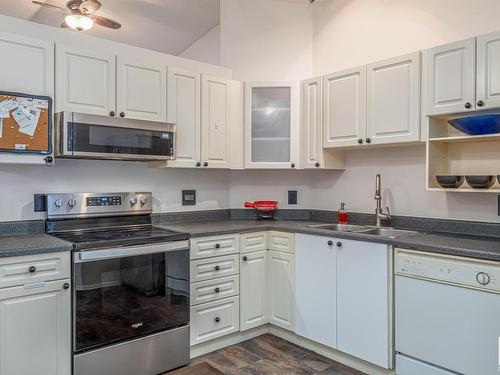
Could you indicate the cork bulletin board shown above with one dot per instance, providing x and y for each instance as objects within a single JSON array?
[{"x": 25, "y": 123}]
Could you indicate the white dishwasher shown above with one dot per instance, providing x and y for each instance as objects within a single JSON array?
[{"x": 447, "y": 314}]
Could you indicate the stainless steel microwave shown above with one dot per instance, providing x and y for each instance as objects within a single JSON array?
[{"x": 83, "y": 136}]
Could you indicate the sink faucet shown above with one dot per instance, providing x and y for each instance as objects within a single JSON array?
[{"x": 379, "y": 213}]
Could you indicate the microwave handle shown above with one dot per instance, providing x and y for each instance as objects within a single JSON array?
[{"x": 128, "y": 251}]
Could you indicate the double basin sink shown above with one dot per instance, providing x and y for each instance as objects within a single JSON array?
[{"x": 385, "y": 232}]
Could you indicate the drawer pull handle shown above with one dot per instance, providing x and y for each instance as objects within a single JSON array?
[
  {"x": 330, "y": 243},
  {"x": 66, "y": 285},
  {"x": 245, "y": 259},
  {"x": 217, "y": 268},
  {"x": 217, "y": 245},
  {"x": 32, "y": 269},
  {"x": 217, "y": 290},
  {"x": 217, "y": 320},
  {"x": 339, "y": 244}
]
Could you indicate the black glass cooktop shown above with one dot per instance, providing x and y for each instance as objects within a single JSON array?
[{"x": 121, "y": 236}]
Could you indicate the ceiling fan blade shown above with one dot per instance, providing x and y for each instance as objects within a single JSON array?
[
  {"x": 106, "y": 22},
  {"x": 50, "y": 6},
  {"x": 89, "y": 6}
]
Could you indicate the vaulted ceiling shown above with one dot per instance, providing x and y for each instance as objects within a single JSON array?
[{"x": 168, "y": 26}]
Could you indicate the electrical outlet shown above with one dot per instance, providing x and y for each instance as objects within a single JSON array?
[
  {"x": 292, "y": 196},
  {"x": 189, "y": 197}
]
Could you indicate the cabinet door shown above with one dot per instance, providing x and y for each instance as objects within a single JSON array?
[
  {"x": 451, "y": 77},
  {"x": 393, "y": 113},
  {"x": 85, "y": 81},
  {"x": 35, "y": 329},
  {"x": 363, "y": 301},
  {"x": 271, "y": 125},
  {"x": 215, "y": 113},
  {"x": 141, "y": 89},
  {"x": 281, "y": 289},
  {"x": 316, "y": 289},
  {"x": 344, "y": 107},
  {"x": 183, "y": 109},
  {"x": 29, "y": 67},
  {"x": 311, "y": 126},
  {"x": 253, "y": 290},
  {"x": 488, "y": 71}
]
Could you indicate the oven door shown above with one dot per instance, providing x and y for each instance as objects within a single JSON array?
[{"x": 125, "y": 293}]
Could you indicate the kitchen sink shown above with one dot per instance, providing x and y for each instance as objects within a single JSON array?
[
  {"x": 388, "y": 232},
  {"x": 340, "y": 227}
]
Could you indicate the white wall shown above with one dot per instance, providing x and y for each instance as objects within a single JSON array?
[
  {"x": 266, "y": 40},
  {"x": 205, "y": 49}
]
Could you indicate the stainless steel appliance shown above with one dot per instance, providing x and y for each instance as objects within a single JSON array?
[
  {"x": 446, "y": 314},
  {"x": 105, "y": 137},
  {"x": 130, "y": 284}
]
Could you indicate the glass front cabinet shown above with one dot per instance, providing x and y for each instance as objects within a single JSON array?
[{"x": 271, "y": 125}]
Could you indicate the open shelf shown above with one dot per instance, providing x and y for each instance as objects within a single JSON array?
[{"x": 467, "y": 138}]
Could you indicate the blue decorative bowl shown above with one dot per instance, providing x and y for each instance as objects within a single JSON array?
[{"x": 477, "y": 125}]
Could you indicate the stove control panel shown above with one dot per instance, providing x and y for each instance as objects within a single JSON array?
[{"x": 75, "y": 205}]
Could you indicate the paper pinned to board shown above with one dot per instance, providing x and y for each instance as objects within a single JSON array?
[
  {"x": 9, "y": 104},
  {"x": 27, "y": 119}
]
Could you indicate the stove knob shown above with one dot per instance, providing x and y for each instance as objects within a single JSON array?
[
  {"x": 483, "y": 278},
  {"x": 72, "y": 203},
  {"x": 59, "y": 203},
  {"x": 133, "y": 201},
  {"x": 144, "y": 200}
]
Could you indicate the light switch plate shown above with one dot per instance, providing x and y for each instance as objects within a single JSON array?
[
  {"x": 292, "y": 196},
  {"x": 188, "y": 197}
]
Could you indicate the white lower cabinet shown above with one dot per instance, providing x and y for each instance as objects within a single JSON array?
[
  {"x": 281, "y": 288},
  {"x": 253, "y": 289},
  {"x": 35, "y": 328},
  {"x": 212, "y": 290},
  {"x": 214, "y": 319}
]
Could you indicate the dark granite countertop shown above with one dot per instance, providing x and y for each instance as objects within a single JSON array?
[
  {"x": 28, "y": 244},
  {"x": 443, "y": 243}
]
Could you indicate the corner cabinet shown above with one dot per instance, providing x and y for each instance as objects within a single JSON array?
[{"x": 271, "y": 125}]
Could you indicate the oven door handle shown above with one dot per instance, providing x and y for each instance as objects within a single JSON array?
[{"x": 128, "y": 251}]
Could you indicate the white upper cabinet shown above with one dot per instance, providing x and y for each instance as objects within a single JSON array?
[
  {"x": 488, "y": 71},
  {"x": 27, "y": 65},
  {"x": 271, "y": 125},
  {"x": 393, "y": 100},
  {"x": 344, "y": 108},
  {"x": 141, "y": 89},
  {"x": 85, "y": 81},
  {"x": 451, "y": 77},
  {"x": 184, "y": 100},
  {"x": 215, "y": 122}
]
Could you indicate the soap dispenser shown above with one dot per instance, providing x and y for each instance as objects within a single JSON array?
[{"x": 342, "y": 214}]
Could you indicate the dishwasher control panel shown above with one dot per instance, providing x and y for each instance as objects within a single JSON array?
[{"x": 468, "y": 272}]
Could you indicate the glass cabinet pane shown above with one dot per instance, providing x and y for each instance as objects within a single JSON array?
[{"x": 271, "y": 124}]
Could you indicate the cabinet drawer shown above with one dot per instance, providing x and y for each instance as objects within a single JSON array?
[
  {"x": 15, "y": 271},
  {"x": 255, "y": 241},
  {"x": 214, "y": 319},
  {"x": 281, "y": 241},
  {"x": 206, "y": 247},
  {"x": 212, "y": 268},
  {"x": 213, "y": 290}
]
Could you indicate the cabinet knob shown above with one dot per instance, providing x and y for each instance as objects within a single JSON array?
[
  {"x": 360, "y": 141},
  {"x": 468, "y": 105},
  {"x": 368, "y": 140},
  {"x": 217, "y": 320},
  {"x": 32, "y": 269},
  {"x": 198, "y": 164},
  {"x": 217, "y": 290},
  {"x": 330, "y": 243},
  {"x": 217, "y": 268},
  {"x": 66, "y": 285},
  {"x": 122, "y": 114},
  {"x": 217, "y": 245},
  {"x": 480, "y": 103},
  {"x": 245, "y": 258},
  {"x": 112, "y": 113},
  {"x": 205, "y": 164},
  {"x": 339, "y": 244},
  {"x": 292, "y": 165},
  {"x": 316, "y": 164}
]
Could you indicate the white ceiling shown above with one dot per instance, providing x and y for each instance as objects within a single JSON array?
[{"x": 168, "y": 26}]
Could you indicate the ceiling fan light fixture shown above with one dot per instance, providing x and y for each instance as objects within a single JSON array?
[{"x": 79, "y": 22}]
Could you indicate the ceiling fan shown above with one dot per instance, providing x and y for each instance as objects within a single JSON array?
[{"x": 80, "y": 14}]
